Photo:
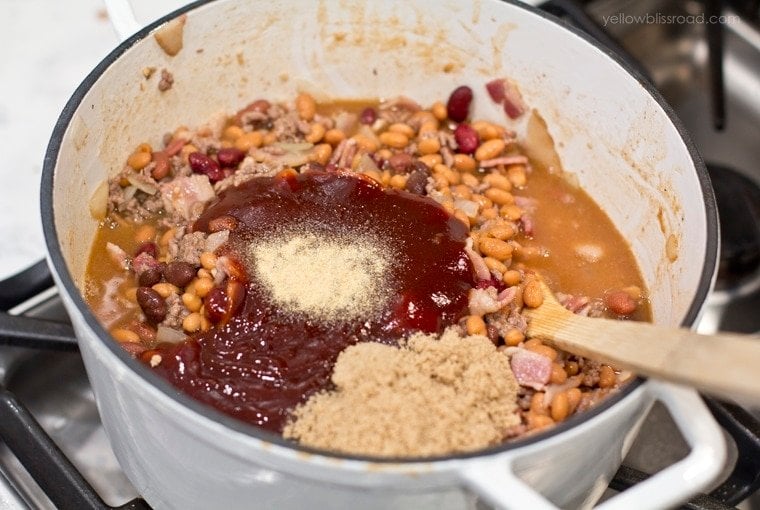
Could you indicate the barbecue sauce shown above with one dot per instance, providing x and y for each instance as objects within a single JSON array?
[{"x": 265, "y": 359}]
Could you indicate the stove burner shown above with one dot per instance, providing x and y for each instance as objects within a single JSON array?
[{"x": 738, "y": 199}]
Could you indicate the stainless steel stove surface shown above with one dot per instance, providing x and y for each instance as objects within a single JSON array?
[{"x": 52, "y": 384}]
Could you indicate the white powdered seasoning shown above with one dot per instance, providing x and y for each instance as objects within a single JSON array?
[{"x": 325, "y": 276}]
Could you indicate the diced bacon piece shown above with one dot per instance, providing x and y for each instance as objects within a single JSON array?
[
  {"x": 528, "y": 226},
  {"x": 495, "y": 89},
  {"x": 478, "y": 264},
  {"x": 507, "y": 295},
  {"x": 187, "y": 196},
  {"x": 514, "y": 106},
  {"x": 531, "y": 369},
  {"x": 506, "y": 160}
]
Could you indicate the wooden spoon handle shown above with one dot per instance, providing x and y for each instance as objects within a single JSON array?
[{"x": 726, "y": 364}]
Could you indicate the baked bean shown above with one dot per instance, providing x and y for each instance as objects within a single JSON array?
[
  {"x": 145, "y": 233},
  {"x": 537, "y": 403},
  {"x": 232, "y": 133},
  {"x": 316, "y": 132},
  {"x": 139, "y": 160},
  {"x": 394, "y": 139},
  {"x": 321, "y": 153},
  {"x": 511, "y": 212},
  {"x": 179, "y": 273},
  {"x": 489, "y": 149},
  {"x": 502, "y": 231},
  {"x": 497, "y": 180},
  {"x": 398, "y": 181},
  {"x": 517, "y": 175},
  {"x": 495, "y": 265},
  {"x": 122, "y": 335},
  {"x": 607, "y": 377},
  {"x": 430, "y": 160},
  {"x": 573, "y": 399},
  {"x": 428, "y": 146},
  {"x": 512, "y": 277},
  {"x": 475, "y": 325},
  {"x": 543, "y": 350},
  {"x": 192, "y": 322},
  {"x": 572, "y": 368},
  {"x": 496, "y": 248},
  {"x": 248, "y": 141},
  {"x": 165, "y": 289},
  {"x": 462, "y": 216},
  {"x": 513, "y": 337},
  {"x": 404, "y": 129},
  {"x": 334, "y": 136},
  {"x": 469, "y": 179},
  {"x": 482, "y": 201},
  {"x": 462, "y": 191},
  {"x": 539, "y": 421},
  {"x": 270, "y": 137},
  {"x": 439, "y": 110},
  {"x": 464, "y": 163},
  {"x": 191, "y": 302},
  {"x": 558, "y": 375},
  {"x": 499, "y": 196},
  {"x": 208, "y": 260},
  {"x": 203, "y": 273},
  {"x": 365, "y": 143},
  {"x": 428, "y": 128},
  {"x": 305, "y": 106},
  {"x": 203, "y": 286},
  {"x": 533, "y": 295},
  {"x": 560, "y": 407},
  {"x": 152, "y": 304}
]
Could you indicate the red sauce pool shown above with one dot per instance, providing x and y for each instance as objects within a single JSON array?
[{"x": 265, "y": 360}]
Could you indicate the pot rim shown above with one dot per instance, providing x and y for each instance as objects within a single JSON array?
[{"x": 55, "y": 257}]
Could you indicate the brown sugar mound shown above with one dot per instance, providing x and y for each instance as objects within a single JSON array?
[{"x": 429, "y": 397}]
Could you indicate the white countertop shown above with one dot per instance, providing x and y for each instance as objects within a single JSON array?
[{"x": 47, "y": 47}]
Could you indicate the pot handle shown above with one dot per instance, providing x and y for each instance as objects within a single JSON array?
[
  {"x": 495, "y": 481},
  {"x": 122, "y": 17}
]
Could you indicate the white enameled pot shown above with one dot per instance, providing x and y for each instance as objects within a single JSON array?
[{"x": 610, "y": 128}]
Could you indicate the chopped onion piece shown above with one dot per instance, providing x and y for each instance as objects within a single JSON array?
[
  {"x": 142, "y": 185},
  {"x": 99, "y": 201},
  {"x": 169, "y": 335}
]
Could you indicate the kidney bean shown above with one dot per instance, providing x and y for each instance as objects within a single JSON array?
[
  {"x": 152, "y": 304},
  {"x": 458, "y": 105},
  {"x": 466, "y": 138},
  {"x": 202, "y": 164},
  {"x": 230, "y": 157},
  {"x": 179, "y": 273},
  {"x": 400, "y": 162},
  {"x": 151, "y": 276},
  {"x": 148, "y": 247},
  {"x": 417, "y": 180},
  {"x": 368, "y": 116}
]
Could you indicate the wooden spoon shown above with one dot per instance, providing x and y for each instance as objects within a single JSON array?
[{"x": 726, "y": 364}]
